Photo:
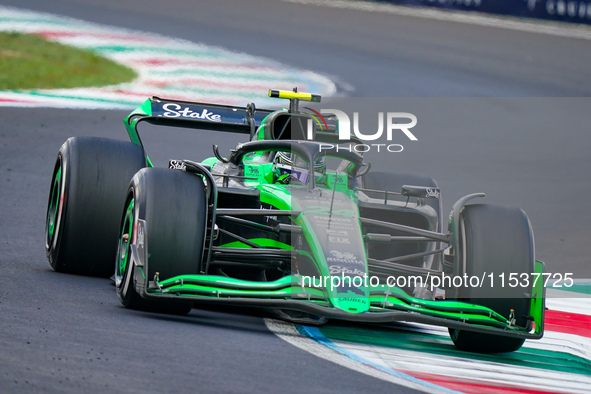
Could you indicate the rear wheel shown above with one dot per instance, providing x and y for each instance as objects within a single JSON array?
[
  {"x": 173, "y": 205},
  {"x": 495, "y": 240},
  {"x": 88, "y": 186}
]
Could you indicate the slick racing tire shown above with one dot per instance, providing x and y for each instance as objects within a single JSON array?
[
  {"x": 88, "y": 186},
  {"x": 173, "y": 205},
  {"x": 495, "y": 240}
]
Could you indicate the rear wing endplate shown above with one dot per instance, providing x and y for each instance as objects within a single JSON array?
[{"x": 194, "y": 115}]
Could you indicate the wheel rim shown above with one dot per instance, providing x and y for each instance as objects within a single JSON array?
[
  {"x": 126, "y": 238},
  {"x": 54, "y": 209}
]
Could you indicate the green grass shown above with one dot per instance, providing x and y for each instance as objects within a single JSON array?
[{"x": 31, "y": 62}]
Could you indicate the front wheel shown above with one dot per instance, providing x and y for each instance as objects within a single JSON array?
[
  {"x": 173, "y": 205},
  {"x": 495, "y": 241}
]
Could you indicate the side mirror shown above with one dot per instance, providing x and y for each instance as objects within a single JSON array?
[{"x": 420, "y": 191}]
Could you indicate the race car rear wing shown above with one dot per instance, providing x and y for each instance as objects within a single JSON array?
[
  {"x": 195, "y": 115},
  {"x": 217, "y": 117}
]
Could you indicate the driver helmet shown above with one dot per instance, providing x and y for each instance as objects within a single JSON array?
[{"x": 292, "y": 166}]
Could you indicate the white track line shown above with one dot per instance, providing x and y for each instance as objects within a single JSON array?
[{"x": 288, "y": 333}]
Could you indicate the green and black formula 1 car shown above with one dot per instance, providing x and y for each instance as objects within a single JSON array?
[{"x": 289, "y": 222}]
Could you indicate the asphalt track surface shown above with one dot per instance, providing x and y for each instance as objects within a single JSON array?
[{"x": 63, "y": 333}]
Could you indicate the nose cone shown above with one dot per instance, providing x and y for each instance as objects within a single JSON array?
[{"x": 350, "y": 295}]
